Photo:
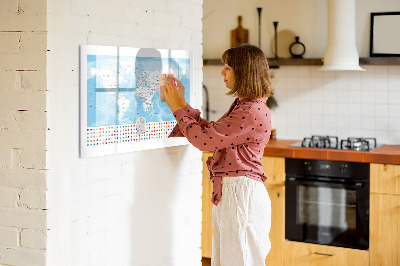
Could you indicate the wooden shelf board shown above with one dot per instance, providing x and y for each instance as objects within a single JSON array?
[
  {"x": 380, "y": 61},
  {"x": 275, "y": 62}
]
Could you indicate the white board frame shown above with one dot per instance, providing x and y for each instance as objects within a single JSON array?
[{"x": 117, "y": 148}]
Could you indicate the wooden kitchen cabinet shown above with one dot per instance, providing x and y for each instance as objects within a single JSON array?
[
  {"x": 385, "y": 215},
  {"x": 206, "y": 225},
  {"x": 277, "y": 233},
  {"x": 274, "y": 168},
  {"x": 385, "y": 178},
  {"x": 305, "y": 254}
]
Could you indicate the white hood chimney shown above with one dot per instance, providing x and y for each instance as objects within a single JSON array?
[{"x": 341, "y": 51}]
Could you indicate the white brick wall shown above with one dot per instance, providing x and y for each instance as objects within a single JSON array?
[
  {"x": 141, "y": 208},
  {"x": 22, "y": 132}
]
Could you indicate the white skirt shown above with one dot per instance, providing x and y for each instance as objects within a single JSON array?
[{"x": 241, "y": 223}]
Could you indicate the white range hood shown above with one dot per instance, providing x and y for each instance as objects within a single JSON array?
[{"x": 341, "y": 51}]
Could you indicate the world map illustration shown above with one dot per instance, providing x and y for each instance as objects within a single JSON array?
[
  {"x": 122, "y": 108},
  {"x": 123, "y": 89}
]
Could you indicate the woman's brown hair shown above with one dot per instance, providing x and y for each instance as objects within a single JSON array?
[{"x": 250, "y": 66}]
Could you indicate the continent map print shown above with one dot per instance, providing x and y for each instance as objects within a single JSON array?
[{"x": 121, "y": 103}]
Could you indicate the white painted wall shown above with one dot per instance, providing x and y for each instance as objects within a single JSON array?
[
  {"x": 306, "y": 19},
  {"x": 23, "y": 133},
  {"x": 311, "y": 102},
  {"x": 141, "y": 208}
]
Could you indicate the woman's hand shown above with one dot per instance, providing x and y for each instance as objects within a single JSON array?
[
  {"x": 173, "y": 90},
  {"x": 181, "y": 92}
]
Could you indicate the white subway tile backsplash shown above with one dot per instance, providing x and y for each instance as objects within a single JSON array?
[
  {"x": 367, "y": 110},
  {"x": 367, "y": 96},
  {"x": 394, "y": 123},
  {"x": 367, "y": 133},
  {"x": 394, "y": 71},
  {"x": 380, "y": 71},
  {"x": 367, "y": 82},
  {"x": 355, "y": 96},
  {"x": 342, "y": 81},
  {"x": 381, "y": 84},
  {"x": 328, "y": 74},
  {"x": 381, "y": 122},
  {"x": 316, "y": 82},
  {"x": 342, "y": 122},
  {"x": 291, "y": 71},
  {"x": 303, "y": 82},
  {"x": 329, "y": 93},
  {"x": 381, "y": 97},
  {"x": 394, "y": 97},
  {"x": 355, "y": 109},
  {"x": 381, "y": 110},
  {"x": 347, "y": 103},
  {"x": 382, "y": 136},
  {"x": 394, "y": 137},
  {"x": 394, "y": 83},
  {"x": 342, "y": 109},
  {"x": 368, "y": 122},
  {"x": 342, "y": 96},
  {"x": 304, "y": 72},
  {"x": 329, "y": 109},
  {"x": 317, "y": 120},
  {"x": 355, "y": 132},
  {"x": 304, "y": 109},
  {"x": 355, "y": 122},
  {"x": 394, "y": 110},
  {"x": 329, "y": 123},
  {"x": 292, "y": 83}
]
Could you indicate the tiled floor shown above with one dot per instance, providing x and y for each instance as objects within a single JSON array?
[{"x": 206, "y": 261}]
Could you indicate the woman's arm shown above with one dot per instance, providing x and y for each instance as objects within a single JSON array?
[
  {"x": 172, "y": 85},
  {"x": 239, "y": 127}
]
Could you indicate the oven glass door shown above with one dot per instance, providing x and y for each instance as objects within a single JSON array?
[
  {"x": 327, "y": 207},
  {"x": 326, "y": 213}
]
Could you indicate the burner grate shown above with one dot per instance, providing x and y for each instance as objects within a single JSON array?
[
  {"x": 332, "y": 142},
  {"x": 358, "y": 144},
  {"x": 327, "y": 142}
]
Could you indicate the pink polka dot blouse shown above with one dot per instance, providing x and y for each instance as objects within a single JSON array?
[{"x": 238, "y": 139}]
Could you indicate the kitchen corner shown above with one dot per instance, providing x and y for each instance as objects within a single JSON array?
[{"x": 382, "y": 213}]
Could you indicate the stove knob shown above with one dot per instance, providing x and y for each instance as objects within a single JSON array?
[
  {"x": 308, "y": 166},
  {"x": 343, "y": 168}
]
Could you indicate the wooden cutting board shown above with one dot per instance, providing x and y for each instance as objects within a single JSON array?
[{"x": 239, "y": 35}]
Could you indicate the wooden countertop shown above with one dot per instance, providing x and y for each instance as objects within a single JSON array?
[{"x": 389, "y": 154}]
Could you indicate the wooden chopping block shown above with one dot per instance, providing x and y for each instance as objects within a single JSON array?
[{"x": 239, "y": 35}]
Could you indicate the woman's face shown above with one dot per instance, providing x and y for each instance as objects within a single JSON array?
[{"x": 229, "y": 76}]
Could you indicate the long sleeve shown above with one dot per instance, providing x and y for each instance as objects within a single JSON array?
[
  {"x": 231, "y": 130},
  {"x": 193, "y": 113},
  {"x": 238, "y": 140}
]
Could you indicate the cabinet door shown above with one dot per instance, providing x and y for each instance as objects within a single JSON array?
[
  {"x": 274, "y": 168},
  {"x": 384, "y": 230},
  {"x": 385, "y": 178},
  {"x": 206, "y": 226},
  {"x": 277, "y": 233},
  {"x": 304, "y": 254}
]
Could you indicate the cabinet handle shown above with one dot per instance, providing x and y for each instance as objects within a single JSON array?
[{"x": 324, "y": 254}]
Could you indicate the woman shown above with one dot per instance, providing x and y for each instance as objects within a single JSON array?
[{"x": 242, "y": 211}]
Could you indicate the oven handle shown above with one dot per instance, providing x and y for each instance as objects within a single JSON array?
[
  {"x": 357, "y": 185},
  {"x": 324, "y": 254}
]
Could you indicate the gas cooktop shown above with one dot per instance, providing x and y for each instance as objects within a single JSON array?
[{"x": 332, "y": 142}]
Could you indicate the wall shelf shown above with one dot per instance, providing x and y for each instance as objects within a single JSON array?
[
  {"x": 380, "y": 61},
  {"x": 274, "y": 63}
]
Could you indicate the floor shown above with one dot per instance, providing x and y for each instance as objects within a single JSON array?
[{"x": 206, "y": 261}]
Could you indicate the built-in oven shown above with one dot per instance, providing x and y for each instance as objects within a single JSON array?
[{"x": 327, "y": 202}]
